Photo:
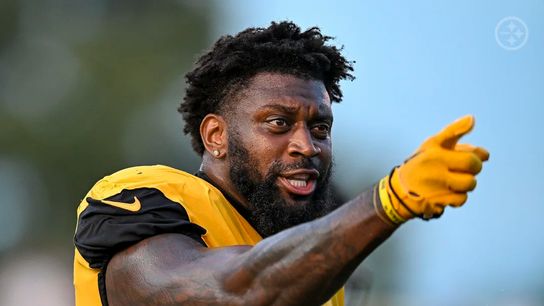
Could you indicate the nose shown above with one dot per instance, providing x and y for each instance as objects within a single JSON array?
[{"x": 301, "y": 143}]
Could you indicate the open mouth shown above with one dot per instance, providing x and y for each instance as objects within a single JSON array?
[{"x": 299, "y": 182}]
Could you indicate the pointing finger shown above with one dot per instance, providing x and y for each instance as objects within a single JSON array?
[{"x": 448, "y": 137}]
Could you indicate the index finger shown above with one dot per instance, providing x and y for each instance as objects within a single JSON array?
[{"x": 448, "y": 137}]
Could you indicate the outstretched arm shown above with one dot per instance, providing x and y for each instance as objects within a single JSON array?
[{"x": 304, "y": 265}]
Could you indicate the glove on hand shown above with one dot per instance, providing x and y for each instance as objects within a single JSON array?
[{"x": 438, "y": 174}]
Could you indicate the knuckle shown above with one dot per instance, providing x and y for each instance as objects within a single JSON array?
[
  {"x": 472, "y": 184},
  {"x": 476, "y": 164},
  {"x": 463, "y": 198},
  {"x": 470, "y": 163},
  {"x": 460, "y": 199}
]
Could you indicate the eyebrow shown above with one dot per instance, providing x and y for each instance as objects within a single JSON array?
[
  {"x": 282, "y": 108},
  {"x": 321, "y": 115}
]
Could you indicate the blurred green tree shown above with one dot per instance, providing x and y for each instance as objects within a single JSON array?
[{"x": 76, "y": 79}]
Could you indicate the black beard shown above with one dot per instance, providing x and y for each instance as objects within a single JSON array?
[{"x": 270, "y": 213}]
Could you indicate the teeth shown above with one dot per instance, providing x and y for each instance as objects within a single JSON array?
[{"x": 297, "y": 183}]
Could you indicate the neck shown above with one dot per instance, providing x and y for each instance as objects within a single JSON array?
[{"x": 219, "y": 174}]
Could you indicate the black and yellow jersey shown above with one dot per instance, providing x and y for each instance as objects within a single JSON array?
[{"x": 136, "y": 203}]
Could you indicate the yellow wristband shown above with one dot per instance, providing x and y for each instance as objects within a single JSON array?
[
  {"x": 386, "y": 202},
  {"x": 376, "y": 209}
]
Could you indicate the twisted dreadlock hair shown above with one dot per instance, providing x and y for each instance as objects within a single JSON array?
[{"x": 234, "y": 60}]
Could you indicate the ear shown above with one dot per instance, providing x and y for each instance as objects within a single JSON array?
[{"x": 214, "y": 135}]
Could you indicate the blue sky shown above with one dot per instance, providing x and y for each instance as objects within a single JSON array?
[{"x": 420, "y": 65}]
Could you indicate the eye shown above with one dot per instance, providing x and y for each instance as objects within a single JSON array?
[
  {"x": 279, "y": 122},
  {"x": 321, "y": 130}
]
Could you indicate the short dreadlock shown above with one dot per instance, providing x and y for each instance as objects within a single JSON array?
[{"x": 234, "y": 60}]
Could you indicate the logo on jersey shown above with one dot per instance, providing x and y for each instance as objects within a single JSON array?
[{"x": 133, "y": 207}]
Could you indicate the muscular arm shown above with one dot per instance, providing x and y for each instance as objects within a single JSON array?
[{"x": 304, "y": 265}]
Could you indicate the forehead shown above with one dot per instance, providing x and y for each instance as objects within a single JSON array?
[{"x": 286, "y": 90}]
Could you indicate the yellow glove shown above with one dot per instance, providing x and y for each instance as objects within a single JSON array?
[{"x": 439, "y": 174}]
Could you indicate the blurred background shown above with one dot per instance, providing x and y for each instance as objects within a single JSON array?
[{"x": 90, "y": 87}]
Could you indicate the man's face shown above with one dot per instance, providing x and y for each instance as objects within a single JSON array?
[{"x": 280, "y": 151}]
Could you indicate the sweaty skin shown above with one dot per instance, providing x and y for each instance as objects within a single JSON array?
[{"x": 279, "y": 118}]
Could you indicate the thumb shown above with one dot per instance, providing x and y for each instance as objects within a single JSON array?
[{"x": 448, "y": 137}]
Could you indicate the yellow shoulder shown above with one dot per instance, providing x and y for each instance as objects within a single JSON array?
[{"x": 156, "y": 176}]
